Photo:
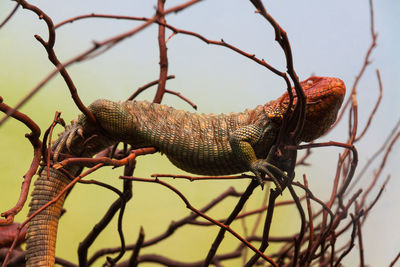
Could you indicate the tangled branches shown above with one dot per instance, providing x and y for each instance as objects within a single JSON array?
[{"x": 330, "y": 226}]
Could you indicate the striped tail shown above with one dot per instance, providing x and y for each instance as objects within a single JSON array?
[{"x": 42, "y": 229}]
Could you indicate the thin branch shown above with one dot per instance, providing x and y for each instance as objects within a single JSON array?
[
  {"x": 303, "y": 159},
  {"x": 267, "y": 226},
  {"x": 49, "y": 46},
  {"x": 376, "y": 154},
  {"x": 94, "y": 15},
  {"x": 9, "y": 15},
  {"x": 45, "y": 206},
  {"x": 146, "y": 86},
  {"x": 202, "y": 178},
  {"x": 300, "y": 237},
  {"x": 172, "y": 227},
  {"x": 353, "y": 235},
  {"x": 299, "y": 112},
  {"x": 239, "y": 206},
  {"x": 107, "y": 186},
  {"x": 306, "y": 258},
  {"x": 367, "y": 209},
  {"x": 96, "y": 46},
  {"x": 353, "y": 163},
  {"x": 133, "y": 260},
  {"x": 395, "y": 260},
  {"x": 367, "y": 61},
  {"x": 163, "y": 53},
  {"x": 373, "y": 112},
  {"x": 176, "y": 31},
  {"x": 85, "y": 244},
  {"x": 198, "y": 212},
  {"x": 37, "y": 146},
  {"x": 249, "y": 213},
  {"x": 127, "y": 195},
  {"x": 194, "y": 106},
  {"x": 360, "y": 243},
  {"x": 261, "y": 62},
  {"x": 106, "y": 161}
]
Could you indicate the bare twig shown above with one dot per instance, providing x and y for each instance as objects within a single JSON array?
[
  {"x": 105, "y": 160},
  {"x": 378, "y": 101},
  {"x": 367, "y": 61},
  {"x": 172, "y": 227},
  {"x": 4, "y": 22},
  {"x": 181, "y": 97},
  {"x": 94, "y": 15},
  {"x": 188, "y": 205},
  {"x": 135, "y": 254},
  {"x": 202, "y": 178},
  {"x": 110, "y": 42},
  {"x": 306, "y": 260},
  {"x": 267, "y": 226},
  {"x": 49, "y": 46},
  {"x": 37, "y": 145},
  {"x": 146, "y": 86},
  {"x": 54, "y": 200},
  {"x": 395, "y": 260},
  {"x": 163, "y": 53},
  {"x": 239, "y": 206},
  {"x": 376, "y": 154}
]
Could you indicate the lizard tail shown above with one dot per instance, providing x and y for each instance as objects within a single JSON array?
[{"x": 42, "y": 229}]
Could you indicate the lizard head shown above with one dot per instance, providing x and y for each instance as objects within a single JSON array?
[{"x": 324, "y": 96}]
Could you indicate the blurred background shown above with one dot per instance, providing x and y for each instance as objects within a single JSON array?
[{"x": 327, "y": 39}]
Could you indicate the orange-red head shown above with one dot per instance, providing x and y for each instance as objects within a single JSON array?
[{"x": 324, "y": 96}]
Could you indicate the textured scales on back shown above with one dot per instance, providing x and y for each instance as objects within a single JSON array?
[{"x": 197, "y": 143}]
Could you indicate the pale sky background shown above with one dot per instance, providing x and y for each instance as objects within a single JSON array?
[{"x": 328, "y": 38}]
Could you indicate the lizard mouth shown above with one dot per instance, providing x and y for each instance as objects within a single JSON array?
[{"x": 324, "y": 98}]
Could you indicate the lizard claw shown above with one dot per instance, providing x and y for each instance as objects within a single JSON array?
[
  {"x": 262, "y": 167},
  {"x": 70, "y": 137},
  {"x": 80, "y": 132},
  {"x": 260, "y": 179},
  {"x": 66, "y": 139}
]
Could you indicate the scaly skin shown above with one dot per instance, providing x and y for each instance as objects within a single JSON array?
[{"x": 197, "y": 143}]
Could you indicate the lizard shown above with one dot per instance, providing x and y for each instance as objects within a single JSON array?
[{"x": 204, "y": 144}]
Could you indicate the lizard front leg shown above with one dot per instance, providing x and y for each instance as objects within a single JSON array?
[{"x": 242, "y": 142}]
